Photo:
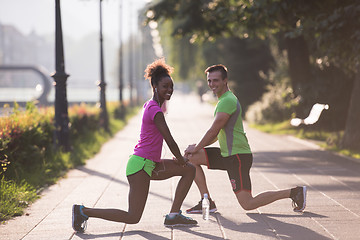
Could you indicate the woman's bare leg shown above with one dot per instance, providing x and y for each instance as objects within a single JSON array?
[
  {"x": 138, "y": 193},
  {"x": 169, "y": 168}
]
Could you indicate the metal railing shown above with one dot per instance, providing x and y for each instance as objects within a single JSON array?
[{"x": 46, "y": 87}]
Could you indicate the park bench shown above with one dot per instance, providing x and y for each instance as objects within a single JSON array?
[{"x": 313, "y": 117}]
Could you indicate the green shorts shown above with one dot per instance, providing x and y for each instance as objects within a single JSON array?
[{"x": 136, "y": 164}]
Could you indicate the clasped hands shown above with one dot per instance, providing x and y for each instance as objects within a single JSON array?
[
  {"x": 190, "y": 150},
  {"x": 188, "y": 153}
]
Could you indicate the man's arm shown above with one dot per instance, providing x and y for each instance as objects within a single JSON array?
[
  {"x": 214, "y": 140},
  {"x": 220, "y": 121}
]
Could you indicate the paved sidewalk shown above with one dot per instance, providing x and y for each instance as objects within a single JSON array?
[{"x": 333, "y": 182}]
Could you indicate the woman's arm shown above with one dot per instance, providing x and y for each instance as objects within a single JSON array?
[{"x": 160, "y": 123}]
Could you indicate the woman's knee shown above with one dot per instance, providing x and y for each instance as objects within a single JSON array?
[
  {"x": 187, "y": 171},
  {"x": 133, "y": 219},
  {"x": 191, "y": 170}
]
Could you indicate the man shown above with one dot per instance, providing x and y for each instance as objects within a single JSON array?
[{"x": 234, "y": 154}]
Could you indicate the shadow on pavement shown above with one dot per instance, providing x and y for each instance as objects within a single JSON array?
[
  {"x": 143, "y": 234},
  {"x": 264, "y": 223},
  {"x": 292, "y": 231},
  {"x": 304, "y": 214},
  {"x": 303, "y": 161},
  {"x": 98, "y": 236},
  {"x": 198, "y": 234}
]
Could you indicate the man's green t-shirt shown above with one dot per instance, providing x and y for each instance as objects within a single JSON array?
[{"x": 232, "y": 137}]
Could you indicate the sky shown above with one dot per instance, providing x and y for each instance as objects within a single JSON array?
[
  {"x": 79, "y": 17},
  {"x": 80, "y": 22}
]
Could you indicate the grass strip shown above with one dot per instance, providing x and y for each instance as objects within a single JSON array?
[{"x": 326, "y": 139}]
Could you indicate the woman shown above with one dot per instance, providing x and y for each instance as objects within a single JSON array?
[{"x": 145, "y": 163}]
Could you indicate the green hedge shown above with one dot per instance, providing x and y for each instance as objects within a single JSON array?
[{"x": 29, "y": 158}]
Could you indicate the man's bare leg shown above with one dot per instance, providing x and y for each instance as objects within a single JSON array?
[
  {"x": 197, "y": 160},
  {"x": 248, "y": 202}
]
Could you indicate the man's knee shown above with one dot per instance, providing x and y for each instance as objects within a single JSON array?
[
  {"x": 245, "y": 200},
  {"x": 246, "y": 206}
]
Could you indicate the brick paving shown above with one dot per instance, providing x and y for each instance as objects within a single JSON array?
[{"x": 333, "y": 182}]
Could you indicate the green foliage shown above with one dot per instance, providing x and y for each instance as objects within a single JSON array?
[
  {"x": 30, "y": 160},
  {"x": 335, "y": 30},
  {"x": 190, "y": 16},
  {"x": 14, "y": 197},
  {"x": 243, "y": 57},
  {"x": 185, "y": 57},
  {"x": 324, "y": 25},
  {"x": 212, "y": 31},
  {"x": 333, "y": 87},
  {"x": 276, "y": 105},
  {"x": 283, "y": 127},
  {"x": 319, "y": 36},
  {"x": 24, "y": 137}
]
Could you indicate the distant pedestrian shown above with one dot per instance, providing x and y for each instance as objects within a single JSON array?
[
  {"x": 145, "y": 163},
  {"x": 234, "y": 154},
  {"x": 200, "y": 89}
]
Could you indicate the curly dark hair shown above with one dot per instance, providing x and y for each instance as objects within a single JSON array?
[{"x": 157, "y": 70}]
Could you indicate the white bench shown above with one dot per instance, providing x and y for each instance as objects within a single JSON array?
[{"x": 313, "y": 117}]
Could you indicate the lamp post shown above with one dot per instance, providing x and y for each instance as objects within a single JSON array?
[
  {"x": 60, "y": 77},
  {"x": 121, "y": 80},
  {"x": 131, "y": 57},
  {"x": 104, "y": 119}
]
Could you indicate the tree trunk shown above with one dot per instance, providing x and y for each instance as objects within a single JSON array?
[
  {"x": 351, "y": 139},
  {"x": 300, "y": 73}
]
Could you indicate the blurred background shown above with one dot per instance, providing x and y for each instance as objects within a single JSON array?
[
  {"x": 27, "y": 37},
  {"x": 283, "y": 56}
]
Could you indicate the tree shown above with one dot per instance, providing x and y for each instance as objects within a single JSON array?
[
  {"x": 206, "y": 20},
  {"x": 335, "y": 30},
  {"x": 330, "y": 27},
  {"x": 189, "y": 51},
  {"x": 351, "y": 139},
  {"x": 338, "y": 38}
]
